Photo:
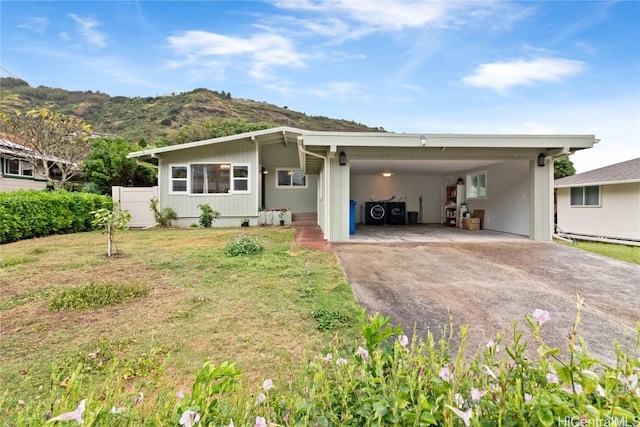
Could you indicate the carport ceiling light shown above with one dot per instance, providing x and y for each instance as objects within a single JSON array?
[{"x": 386, "y": 174}]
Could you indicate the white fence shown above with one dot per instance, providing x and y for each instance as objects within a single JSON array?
[{"x": 137, "y": 201}]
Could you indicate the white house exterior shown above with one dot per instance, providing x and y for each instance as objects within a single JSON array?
[
  {"x": 16, "y": 173},
  {"x": 603, "y": 202},
  {"x": 321, "y": 172}
]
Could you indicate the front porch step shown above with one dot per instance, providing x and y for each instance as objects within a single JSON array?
[{"x": 310, "y": 218}]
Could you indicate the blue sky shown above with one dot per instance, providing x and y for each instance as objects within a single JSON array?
[{"x": 407, "y": 66}]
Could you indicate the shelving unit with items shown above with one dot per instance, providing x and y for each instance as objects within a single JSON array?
[{"x": 454, "y": 198}]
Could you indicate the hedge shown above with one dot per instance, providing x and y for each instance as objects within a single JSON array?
[{"x": 30, "y": 213}]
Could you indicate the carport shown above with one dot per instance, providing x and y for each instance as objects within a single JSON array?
[{"x": 517, "y": 171}]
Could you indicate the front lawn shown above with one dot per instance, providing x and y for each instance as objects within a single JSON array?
[
  {"x": 171, "y": 300},
  {"x": 622, "y": 252}
]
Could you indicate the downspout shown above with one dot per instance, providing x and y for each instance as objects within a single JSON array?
[{"x": 325, "y": 188}]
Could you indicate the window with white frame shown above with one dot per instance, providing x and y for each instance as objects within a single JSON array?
[
  {"x": 18, "y": 167},
  {"x": 585, "y": 196},
  {"x": 209, "y": 178},
  {"x": 477, "y": 185},
  {"x": 291, "y": 178}
]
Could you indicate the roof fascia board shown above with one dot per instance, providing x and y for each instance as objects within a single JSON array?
[
  {"x": 372, "y": 139},
  {"x": 588, "y": 184}
]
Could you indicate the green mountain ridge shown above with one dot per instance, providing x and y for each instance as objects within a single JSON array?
[{"x": 161, "y": 117}]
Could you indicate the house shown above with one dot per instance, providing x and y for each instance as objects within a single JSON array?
[
  {"x": 17, "y": 172},
  {"x": 603, "y": 202},
  {"x": 321, "y": 172}
]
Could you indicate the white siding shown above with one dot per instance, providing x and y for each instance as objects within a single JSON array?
[
  {"x": 13, "y": 184},
  {"x": 618, "y": 215}
]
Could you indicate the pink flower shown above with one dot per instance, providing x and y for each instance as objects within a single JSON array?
[
  {"x": 458, "y": 399},
  {"x": 445, "y": 374},
  {"x": 477, "y": 394},
  {"x": 180, "y": 394},
  {"x": 364, "y": 354},
  {"x": 552, "y": 378},
  {"x": 403, "y": 340},
  {"x": 541, "y": 316},
  {"x": 466, "y": 415},
  {"x": 267, "y": 384},
  {"x": 527, "y": 397},
  {"x": 73, "y": 415},
  {"x": 577, "y": 389},
  {"x": 327, "y": 358},
  {"x": 341, "y": 361},
  {"x": 261, "y": 399},
  {"x": 260, "y": 422},
  {"x": 189, "y": 418}
]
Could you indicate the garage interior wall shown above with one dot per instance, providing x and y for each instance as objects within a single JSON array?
[
  {"x": 408, "y": 188},
  {"x": 506, "y": 207}
]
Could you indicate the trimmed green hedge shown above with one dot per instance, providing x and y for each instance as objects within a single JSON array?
[{"x": 29, "y": 213}]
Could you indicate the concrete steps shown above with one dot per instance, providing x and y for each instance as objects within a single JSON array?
[{"x": 299, "y": 219}]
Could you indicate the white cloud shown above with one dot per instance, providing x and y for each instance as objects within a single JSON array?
[
  {"x": 264, "y": 51},
  {"x": 337, "y": 90},
  {"x": 39, "y": 25},
  {"x": 500, "y": 76},
  {"x": 87, "y": 29}
]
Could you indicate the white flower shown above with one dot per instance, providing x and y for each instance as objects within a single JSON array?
[
  {"x": 267, "y": 384},
  {"x": 403, "y": 340},
  {"x": 341, "y": 361},
  {"x": 189, "y": 418},
  {"x": 477, "y": 394},
  {"x": 327, "y": 358},
  {"x": 115, "y": 410},
  {"x": 552, "y": 378},
  {"x": 541, "y": 316},
  {"x": 73, "y": 415},
  {"x": 600, "y": 391},
  {"x": 261, "y": 398},
  {"x": 364, "y": 354},
  {"x": 260, "y": 422},
  {"x": 445, "y": 374},
  {"x": 180, "y": 394}
]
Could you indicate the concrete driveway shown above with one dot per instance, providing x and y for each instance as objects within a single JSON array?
[{"x": 488, "y": 284}]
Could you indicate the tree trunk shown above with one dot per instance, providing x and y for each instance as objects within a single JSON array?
[{"x": 109, "y": 239}]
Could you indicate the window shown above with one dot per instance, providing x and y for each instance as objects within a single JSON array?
[
  {"x": 209, "y": 178},
  {"x": 240, "y": 178},
  {"x": 585, "y": 196},
  {"x": 291, "y": 178},
  {"x": 178, "y": 179},
  {"x": 18, "y": 167},
  {"x": 477, "y": 185}
]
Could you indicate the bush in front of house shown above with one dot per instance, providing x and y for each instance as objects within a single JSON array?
[{"x": 30, "y": 213}]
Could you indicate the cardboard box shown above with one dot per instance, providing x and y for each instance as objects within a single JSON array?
[{"x": 471, "y": 224}]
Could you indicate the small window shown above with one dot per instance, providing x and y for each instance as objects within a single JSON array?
[
  {"x": 477, "y": 185},
  {"x": 585, "y": 196},
  {"x": 291, "y": 178},
  {"x": 240, "y": 178},
  {"x": 18, "y": 167},
  {"x": 179, "y": 179}
]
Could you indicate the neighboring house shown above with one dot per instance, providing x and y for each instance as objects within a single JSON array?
[
  {"x": 320, "y": 172},
  {"x": 603, "y": 202},
  {"x": 17, "y": 172}
]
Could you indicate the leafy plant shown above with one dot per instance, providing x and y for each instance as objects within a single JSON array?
[
  {"x": 329, "y": 319},
  {"x": 244, "y": 246},
  {"x": 111, "y": 220},
  {"x": 208, "y": 215},
  {"x": 96, "y": 295},
  {"x": 162, "y": 217}
]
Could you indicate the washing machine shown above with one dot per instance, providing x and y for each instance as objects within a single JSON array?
[
  {"x": 375, "y": 213},
  {"x": 396, "y": 213}
]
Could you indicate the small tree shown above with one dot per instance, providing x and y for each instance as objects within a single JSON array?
[
  {"x": 208, "y": 215},
  {"x": 111, "y": 220},
  {"x": 163, "y": 217},
  {"x": 562, "y": 167}
]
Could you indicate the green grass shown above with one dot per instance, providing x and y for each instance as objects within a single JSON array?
[
  {"x": 622, "y": 252},
  {"x": 171, "y": 298}
]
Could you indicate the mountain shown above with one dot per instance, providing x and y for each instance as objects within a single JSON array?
[{"x": 151, "y": 118}]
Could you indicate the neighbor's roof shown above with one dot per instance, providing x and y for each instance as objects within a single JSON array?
[
  {"x": 618, "y": 173},
  {"x": 19, "y": 151}
]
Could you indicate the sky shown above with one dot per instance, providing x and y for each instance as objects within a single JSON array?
[{"x": 486, "y": 67}]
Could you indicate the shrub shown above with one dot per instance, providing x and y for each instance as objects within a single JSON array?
[
  {"x": 244, "y": 246},
  {"x": 96, "y": 295},
  {"x": 28, "y": 213},
  {"x": 163, "y": 217},
  {"x": 329, "y": 319},
  {"x": 208, "y": 215}
]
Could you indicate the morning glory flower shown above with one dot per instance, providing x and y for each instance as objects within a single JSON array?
[
  {"x": 364, "y": 354},
  {"x": 552, "y": 378},
  {"x": 458, "y": 399},
  {"x": 341, "y": 361},
  {"x": 180, "y": 394},
  {"x": 465, "y": 415},
  {"x": 403, "y": 340},
  {"x": 541, "y": 316},
  {"x": 267, "y": 384},
  {"x": 189, "y": 418},
  {"x": 477, "y": 394},
  {"x": 327, "y": 358},
  {"x": 115, "y": 410},
  {"x": 445, "y": 374},
  {"x": 260, "y": 422},
  {"x": 527, "y": 397},
  {"x": 261, "y": 399},
  {"x": 73, "y": 415}
]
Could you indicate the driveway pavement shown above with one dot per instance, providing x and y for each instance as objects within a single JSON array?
[{"x": 488, "y": 284}]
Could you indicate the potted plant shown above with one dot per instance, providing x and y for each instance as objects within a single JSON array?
[
  {"x": 282, "y": 214},
  {"x": 244, "y": 222}
]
